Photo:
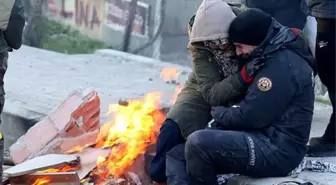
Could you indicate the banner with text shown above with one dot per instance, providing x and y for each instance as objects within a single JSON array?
[{"x": 116, "y": 16}]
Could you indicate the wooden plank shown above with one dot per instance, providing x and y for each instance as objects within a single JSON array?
[
  {"x": 64, "y": 178},
  {"x": 41, "y": 163}
]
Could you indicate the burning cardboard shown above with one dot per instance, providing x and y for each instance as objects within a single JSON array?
[
  {"x": 74, "y": 123},
  {"x": 88, "y": 160},
  {"x": 112, "y": 156},
  {"x": 42, "y": 163},
  {"x": 59, "y": 178}
]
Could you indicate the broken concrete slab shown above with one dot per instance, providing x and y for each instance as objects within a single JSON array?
[
  {"x": 73, "y": 123},
  {"x": 41, "y": 163}
]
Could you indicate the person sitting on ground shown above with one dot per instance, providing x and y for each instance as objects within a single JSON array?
[
  {"x": 216, "y": 79},
  {"x": 266, "y": 134}
]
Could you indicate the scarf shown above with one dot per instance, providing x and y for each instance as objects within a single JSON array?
[{"x": 225, "y": 58}]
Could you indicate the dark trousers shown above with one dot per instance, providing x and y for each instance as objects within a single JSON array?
[
  {"x": 212, "y": 152},
  {"x": 176, "y": 170},
  {"x": 325, "y": 63},
  {"x": 169, "y": 137}
]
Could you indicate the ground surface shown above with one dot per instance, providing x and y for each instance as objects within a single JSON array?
[{"x": 39, "y": 80}]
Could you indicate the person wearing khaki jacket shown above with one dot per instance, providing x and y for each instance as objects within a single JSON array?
[
  {"x": 216, "y": 79},
  {"x": 11, "y": 27}
]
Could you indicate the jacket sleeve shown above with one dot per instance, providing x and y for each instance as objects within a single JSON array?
[
  {"x": 267, "y": 98},
  {"x": 215, "y": 89},
  {"x": 13, "y": 33}
]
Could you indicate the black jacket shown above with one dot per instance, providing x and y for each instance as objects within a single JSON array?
[
  {"x": 280, "y": 102},
  {"x": 290, "y": 13},
  {"x": 11, "y": 37},
  {"x": 322, "y": 8}
]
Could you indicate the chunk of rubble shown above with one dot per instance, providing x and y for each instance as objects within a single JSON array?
[{"x": 71, "y": 125}]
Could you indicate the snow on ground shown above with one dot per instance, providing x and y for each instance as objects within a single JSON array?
[{"x": 39, "y": 80}]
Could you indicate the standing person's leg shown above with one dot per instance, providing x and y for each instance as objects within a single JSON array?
[
  {"x": 170, "y": 136},
  {"x": 3, "y": 68},
  {"x": 325, "y": 62}
]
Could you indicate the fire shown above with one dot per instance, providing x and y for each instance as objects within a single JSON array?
[
  {"x": 41, "y": 181},
  {"x": 65, "y": 168},
  {"x": 77, "y": 149},
  {"x": 133, "y": 128},
  {"x": 169, "y": 74}
]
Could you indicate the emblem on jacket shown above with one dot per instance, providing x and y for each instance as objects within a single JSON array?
[
  {"x": 264, "y": 84},
  {"x": 322, "y": 44}
]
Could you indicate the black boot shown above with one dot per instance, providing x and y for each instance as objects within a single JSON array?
[{"x": 325, "y": 146}]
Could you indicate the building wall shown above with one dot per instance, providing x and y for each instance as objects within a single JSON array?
[
  {"x": 175, "y": 35},
  {"x": 105, "y": 19},
  {"x": 93, "y": 17}
]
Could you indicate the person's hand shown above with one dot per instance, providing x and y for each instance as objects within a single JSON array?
[
  {"x": 212, "y": 125},
  {"x": 250, "y": 69},
  {"x": 217, "y": 112}
]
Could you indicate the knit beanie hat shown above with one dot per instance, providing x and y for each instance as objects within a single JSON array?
[
  {"x": 212, "y": 21},
  {"x": 250, "y": 27}
]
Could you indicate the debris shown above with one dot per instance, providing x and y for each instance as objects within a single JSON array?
[
  {"x": 41, "y": 163},
  {"x": 64, "y": 178},
  {"x": 88, "y": 160},
  {"x": 74, "y": 122},
  {"x": 123, "y": 102}
]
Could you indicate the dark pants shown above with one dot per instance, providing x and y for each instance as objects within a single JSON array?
[
  {"x": 325, "y": 63},
  {"x": 212, "y": 152},
  {"x": 176, "y": 170},
  {"x": 169, "y": 137}
]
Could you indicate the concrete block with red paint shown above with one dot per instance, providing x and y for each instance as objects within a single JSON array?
[{"x": 73, "y": 124}]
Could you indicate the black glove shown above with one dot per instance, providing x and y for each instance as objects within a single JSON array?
[
  {"x": 217, "y": 113},
  {"x": 212, "y": 125},
  {"x": 250, "y": 69}
]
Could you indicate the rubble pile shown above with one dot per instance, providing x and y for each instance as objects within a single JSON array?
[{"x": 71, "y": 146}]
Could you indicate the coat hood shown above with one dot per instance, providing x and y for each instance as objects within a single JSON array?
[
  {"x": 279, "y": 37},
  {"x": 212, "y": 21}
]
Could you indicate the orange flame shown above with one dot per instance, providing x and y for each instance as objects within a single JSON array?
[
  {"x": 77, "y": 149},
  {"x": 41, "y": 181},
  {"x": 177, "y": 91},
  {"x": 65, "y": 168},
  {"x": 169, "y": 74},
  {"x": 132, "y": 129}
]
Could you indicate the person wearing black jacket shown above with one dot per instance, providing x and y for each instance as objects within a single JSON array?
[
  {"x": 324, "y": 12},
  {"x": 290, "y": 13},
  {"x": 266, "y": 134}
]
